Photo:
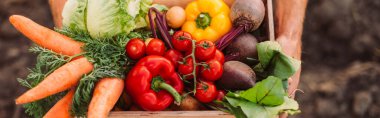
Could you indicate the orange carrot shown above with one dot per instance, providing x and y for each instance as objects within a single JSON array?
[
  {"x": 45, "y": 37},
  {"x": 62, "y": 108},
  {"x": 106, "y": 93},
  {"x": 61, "y": 79}
]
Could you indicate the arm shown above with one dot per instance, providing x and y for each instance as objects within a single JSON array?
[{"x": 289, "y": 17}]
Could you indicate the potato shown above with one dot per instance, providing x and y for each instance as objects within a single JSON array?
[
  {"x": 175, "y": 17},
  {"x": 188, "y": 103}
]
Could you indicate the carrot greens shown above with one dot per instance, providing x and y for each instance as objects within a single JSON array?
[
  {"x": 109, "y": 59},
  {"x": 47, "y": 61}
]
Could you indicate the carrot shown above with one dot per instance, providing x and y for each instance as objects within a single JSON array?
[
  {"x": 62, "y": 108},
  {"x": 106, "y": 93},
  {"x": 61, "y": 79},
  {"x": 45, "y": 37}
]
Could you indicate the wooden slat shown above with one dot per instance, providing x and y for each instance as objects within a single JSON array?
[
  {"x": 170, "y": 114},
  {"x": 269, "y": 5}
]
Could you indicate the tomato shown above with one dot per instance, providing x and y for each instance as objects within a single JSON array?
[
  {"x": 206, "y": 92},
  {"x": 204, "y": 50},
  {"x": 212, "y": 71},
  {"x": 135, "y": 48},
  {"x": 155, "y": 47},
  {"x": 220, "y": 95},
  {"x": 182, "y": 41},
  {"x": 187, "y": 67},
  {"x": 174, "y": 56},
  {"x": 218, "y": 56}
]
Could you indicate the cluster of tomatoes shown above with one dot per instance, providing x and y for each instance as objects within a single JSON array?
[{"x": 207, "y": 67}]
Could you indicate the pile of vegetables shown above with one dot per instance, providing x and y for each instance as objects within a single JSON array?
[{"x": 136, "y": 55}]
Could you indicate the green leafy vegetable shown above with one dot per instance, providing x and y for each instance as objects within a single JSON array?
[
  {"x": 107, "y": 18},
  {"x": 266, "y": 51},
  {"x": 285, "y": 66},
  {"x": 74, "y": 14},
  {"x": 268, "y": 92},
  {"x": 274, "y": 62},
  {"x": 252, "y": 110}
]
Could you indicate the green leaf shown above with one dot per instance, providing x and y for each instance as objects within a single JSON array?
[
  {"x": 252, "y": 110},
  {"x": 274, "y": 62},
  {"x": 285, "y": 66},
  {"x": 108, "y": 18},
  {"x": 233, "y": 107},
  {"x": 289, "y": 106},
  {"x": 266, "y": 51},
  {"x": 140, "y": 19},
  {"x": 268, "y": 92},
  {"x": 74, "y": 15}
]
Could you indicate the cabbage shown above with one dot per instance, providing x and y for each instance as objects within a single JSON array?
[
  {"x": 106, "y": 18},
  {"x": 73, "y": 14}
]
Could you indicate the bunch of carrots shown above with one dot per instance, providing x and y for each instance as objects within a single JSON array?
[{"x": 107, "y": 90}]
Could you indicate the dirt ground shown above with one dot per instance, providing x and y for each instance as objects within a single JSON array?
[{"x": 341, "y": 55}]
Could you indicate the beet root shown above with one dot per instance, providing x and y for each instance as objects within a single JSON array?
[
  {"x": 248, "y": 13},
  {"x": 236, "y": 76}
]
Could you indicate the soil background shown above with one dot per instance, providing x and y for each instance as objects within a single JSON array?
[{"x": 341, "y": 57}]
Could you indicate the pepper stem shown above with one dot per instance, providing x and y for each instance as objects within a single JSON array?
[
  {"x": 203, "y": 20},
  {"x": 159, "y": 84}
]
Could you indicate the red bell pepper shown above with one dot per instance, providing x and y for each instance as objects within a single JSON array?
[{"x": 153, "y": 82}]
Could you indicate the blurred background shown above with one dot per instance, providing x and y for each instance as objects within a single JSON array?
[{"x": 341, "y": 57}]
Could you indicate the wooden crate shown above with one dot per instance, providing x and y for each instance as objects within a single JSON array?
[
  {"x": 56, "y": 8},
  {"x": 170, "y": 114}
]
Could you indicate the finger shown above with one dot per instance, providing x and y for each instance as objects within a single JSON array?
[
  {"x": 283, "y": 115},
  {"x": 290, "y": 81},
  {"x": 56, "y": 7}
]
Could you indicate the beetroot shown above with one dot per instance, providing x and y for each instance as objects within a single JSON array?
[{"x": 247, "y": 16}]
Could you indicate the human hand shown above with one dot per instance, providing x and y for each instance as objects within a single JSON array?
[{"x": 290, "y": 47}]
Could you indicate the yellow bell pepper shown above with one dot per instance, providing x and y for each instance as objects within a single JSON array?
[{"x": 207, "y": 19}]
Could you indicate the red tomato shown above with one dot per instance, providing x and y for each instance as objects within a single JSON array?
[
  {"x": 220, "y": 95},
  {"x": 155, "y": 47},
  {"x": 204, "y": 50},
  {"x": 212, "y": 71},
  {"x": 174, "y": 56},
  {"x": 182, "y": 41},
  {"x": 206, "y": 92},
  {"x": 187, "y": 67},
  {"x": 219, "y": 56},
  {"x": 135, "y": 48}
]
